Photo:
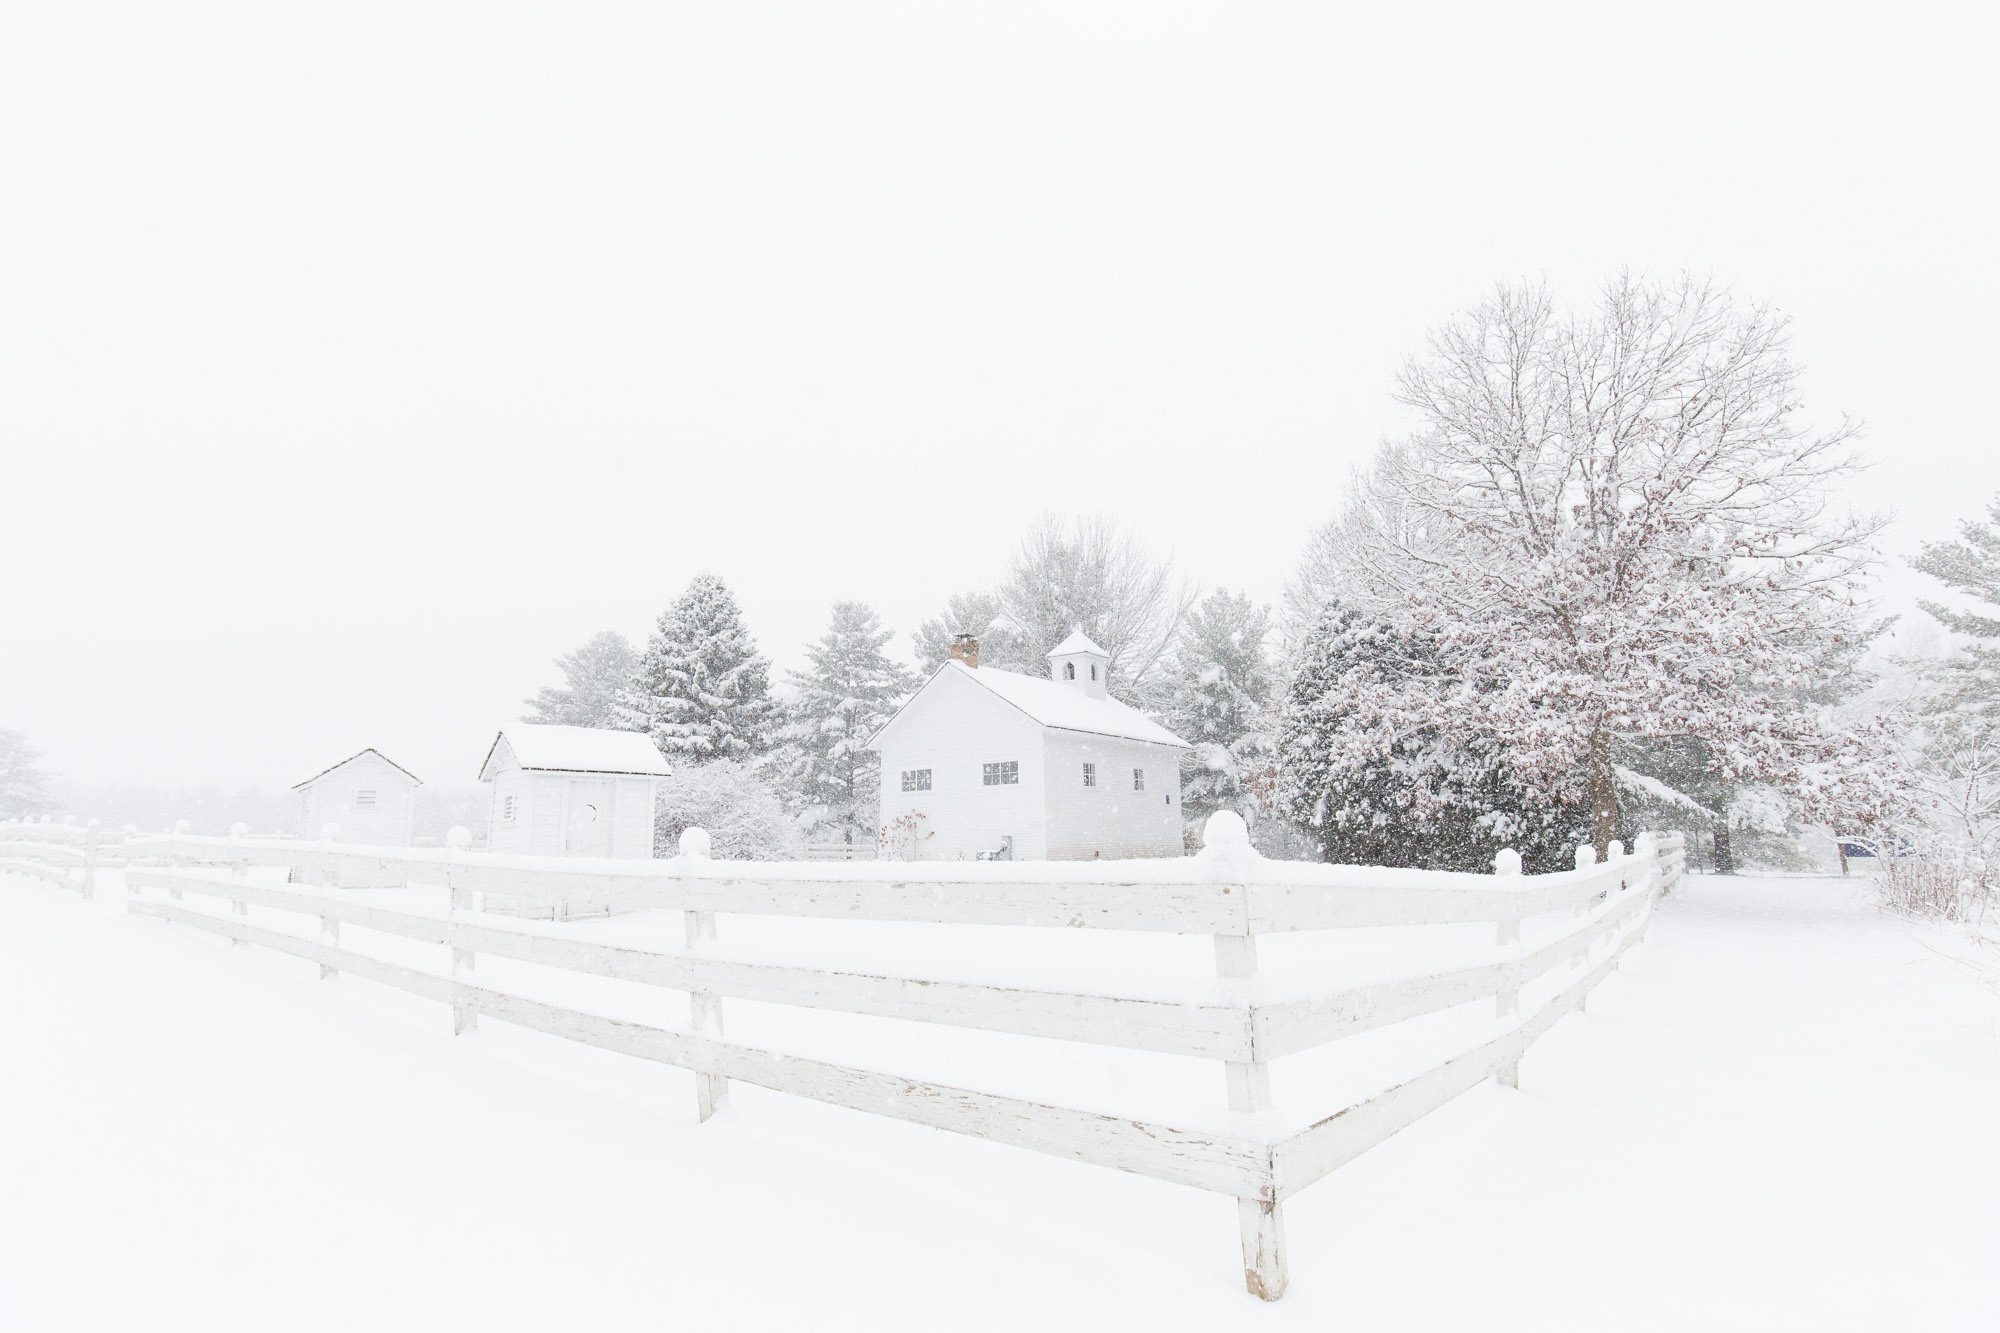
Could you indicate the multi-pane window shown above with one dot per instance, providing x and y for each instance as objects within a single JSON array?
[
  {"x": 363, "y": 798},
  {"x": 1090, "y": 775},
  {"x": 507, "y": 810},
  {"x": 1069, "y": 671},
  {"x": 916, "y": 779},
  {"x": 1007, "y": 774},
  {"x": 1138, "y": 779}
]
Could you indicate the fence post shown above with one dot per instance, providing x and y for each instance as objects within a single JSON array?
[
  {"x": 1614, "y": 853},
  {"x": 463, "y": 961},
  {"x": 239, "y": 870},
  {"x": 1586, "y": 857},
  {"x": 177, "y": 859},
  {"x": 90, "y": 861},
  {"x": 330, "y": 876},
  {"x": 711, "y": 1091},
  {"x": 1507, "y": 1001},
  {"x": 1647, "y": 847},
  {"x": 1260, "y": 1220}
]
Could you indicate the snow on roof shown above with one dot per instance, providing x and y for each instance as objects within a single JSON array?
[
  {"x": 578, "y": 750},
  {"x": 1053, "y": 704},
  {"x": 1079, "y": 642},
  {"x": 306, "y": 782}
]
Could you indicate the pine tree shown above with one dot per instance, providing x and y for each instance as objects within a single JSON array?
[
  {"x": 596, "y": 689},
  {"x": 1220, "y": 703},
  {"x": 849, "y": 689},
  {"x": 1970, "y": 678},
  {"x": 706, "y": 687},
  {"x": 1956, "y": 746},
  {"x": 1367, "y": 766},
  {"x": 24, "y": 788}
]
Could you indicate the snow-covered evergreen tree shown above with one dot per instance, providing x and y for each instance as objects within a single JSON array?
[
  {"x": 24, "y": 788},
  {"x": 1954, "y": 744},
  {"x": 706, "y": 688},
  {"x": 1222, "y": 689},
  {"x": 1369, "y": 766},
  {"x": 847, "y": 691},
  {"x": 1969, "y": 678},
  {"x": 1614, "y": 525},
  {"x": 596, "y": 689}
]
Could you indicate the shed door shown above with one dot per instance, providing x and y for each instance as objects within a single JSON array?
[{"x": 589, "y": 817}]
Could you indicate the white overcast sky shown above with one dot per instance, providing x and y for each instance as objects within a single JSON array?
[{"x": 356, "y": 361}]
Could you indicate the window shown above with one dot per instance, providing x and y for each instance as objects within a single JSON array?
[
  {"x": 916, "y": 779},
  {"x": 1069, "y": 671},
  {"x": 1002, "y": 775},
  {"x": 1138, "y": 779},
  {"x": 1093, "y": 671},
  {"x": 507, "y": 810},
  {"x": 364, "y": 798},
  {"x": 1090, "y": 775}
]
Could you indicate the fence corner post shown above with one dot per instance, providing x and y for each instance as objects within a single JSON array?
[
  {"x": 464, "y": 1018},
  {"x": 711, "y": 1091},
  {"x": 1507, "y": 1000},
  {"x": 1260, "y": 1219}
]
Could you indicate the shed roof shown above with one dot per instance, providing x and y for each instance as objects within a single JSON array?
[
  {"x": 1054, "y": 704},
  {"x": 307, "y": 782},
  {"x": 539, "y": 745}
]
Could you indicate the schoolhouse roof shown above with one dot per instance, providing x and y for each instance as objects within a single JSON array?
[
  {"x": 307, "y": 782},
  {"x": 1052, "y": 704},
  {"x": 549, "y": 748}
]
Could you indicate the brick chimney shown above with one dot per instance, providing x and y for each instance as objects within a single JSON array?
[{"x": 965, "y": 648}]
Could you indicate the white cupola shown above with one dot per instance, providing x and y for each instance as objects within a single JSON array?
[{"x": 1079, "y": 662}]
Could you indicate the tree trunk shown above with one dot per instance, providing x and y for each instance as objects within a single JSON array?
[{"x": 1603, "y": 792}]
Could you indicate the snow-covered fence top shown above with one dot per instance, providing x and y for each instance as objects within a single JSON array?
[{"x": 1584, "y": 918}]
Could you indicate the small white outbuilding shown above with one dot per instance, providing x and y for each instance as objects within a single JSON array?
[
  {"x": 573, "y": 791},
  {"x": 370, "y": 796},
  {"x": 989, "y": 763}
]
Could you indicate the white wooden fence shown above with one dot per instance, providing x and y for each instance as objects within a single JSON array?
[{"x": 1598, "y": 911}]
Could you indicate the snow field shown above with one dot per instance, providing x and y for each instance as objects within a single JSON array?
[{"x": 1778, "y": 1115}]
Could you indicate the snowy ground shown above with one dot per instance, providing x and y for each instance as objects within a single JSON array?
[{"x": 1780, "y": 1114}]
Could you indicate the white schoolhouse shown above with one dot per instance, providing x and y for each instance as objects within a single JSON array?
[
  {"x": 572, "y": 791},
  {"x": 368, "y": 795},
  {"x": 990, "y": 763}
]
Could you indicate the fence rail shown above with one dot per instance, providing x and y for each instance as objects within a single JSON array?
[{"x": 1227, "y": 893}]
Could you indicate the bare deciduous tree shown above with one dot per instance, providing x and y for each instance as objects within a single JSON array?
[
  {"x": 1087, "y": 572},
  {"x": 1618, "y": 524}
]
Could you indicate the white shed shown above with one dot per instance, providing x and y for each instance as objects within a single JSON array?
[
  {"x": 984, "y": 762},
  {"x": 371, "y": 797},
  {"x": 573, "y": 791}
]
